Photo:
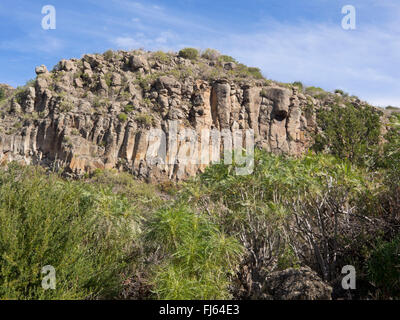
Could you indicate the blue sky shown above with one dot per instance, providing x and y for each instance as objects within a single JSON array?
[{"x": 290, "y": 40}]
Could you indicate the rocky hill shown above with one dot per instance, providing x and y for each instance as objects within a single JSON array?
[{"x": 97, "y": 112}]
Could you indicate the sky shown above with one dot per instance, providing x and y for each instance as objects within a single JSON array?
[{"x": 289, "y": 40}]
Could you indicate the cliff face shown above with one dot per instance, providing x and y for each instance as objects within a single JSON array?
[{"x": 100, "y": 111}]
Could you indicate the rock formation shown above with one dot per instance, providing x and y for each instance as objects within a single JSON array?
[{"x": 100, "y": 111}]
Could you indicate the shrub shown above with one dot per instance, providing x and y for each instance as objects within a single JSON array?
[
  {"x": 391, "y": 108},
  {"x": 128, "y": 108},
  {"x": 210, "y": 54},
  {"x": 225, "y": 58},
  {"x": 391, "y": 150},
  {"x": 162, "y": 57},
  {"x": 200, "y": 257},
  {"x": 263, "y": 93},
  {"x": 299, "y": 85},
  {"x": 100, "y": 103},
  {"x": 66, "y": 105},
  {"x": 316, "y": 92},
  {"x": 122, "y": 117},
  {"x": 189, "y": 53},
  {"x": 2, "y": 94},
  {"x": 75, "y": 132},
  {"x": 108, "y": 55},
  {"x": 243, "y": 71},
  {"x": 20, "y": 94},
  {"x": 384, "y": 267},
  {"x": 144, "y": 119},
  {"x": 255, "y": 72},
  {"x": 83, "y": 231},
  {"x": 107, "y": 79},
  {"x": 349, "y": 132}
]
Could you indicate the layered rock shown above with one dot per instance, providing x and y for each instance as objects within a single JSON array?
[{"x": 98, "y": 113}]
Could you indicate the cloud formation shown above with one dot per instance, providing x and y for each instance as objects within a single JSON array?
[{"x": 289, "y": 41}]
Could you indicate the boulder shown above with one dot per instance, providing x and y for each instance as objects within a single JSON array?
[
  {"x": 281, "y": 100},
  {"x": 169, "y": 83},
  {"x": 41, "y": 69},
  {"x": 229, "y": 66},
  {"x": 139, "y": 62},
  {"x": 66, "y": 65}
]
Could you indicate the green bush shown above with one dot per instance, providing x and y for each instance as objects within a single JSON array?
[
  {"x": 108, "y": 55},
  {"x": 122, "y": 117},
  {"x": 210, "y": 54},
  {"x": 391, "y": 155},
  {"x": 243, "y": 71},
  {"x": 189, "y": 53},
  {"x": 225, "y": 58},
  {"x": 299, "y": 85},
  {"x": 349, "y": 133},
  {"x": 107, "y": 79},
  {"x": 128, "y": 108},
  {"x": 255, "y": 72},
  {"x": 162, "y": 57},
  {"x": 85, "y": 232},
  {"x": 2, "y": 94},
  {"x": 144, "y": 119},
  {"x": 200, "y": 256},
  {"x": 317, "y": 92},
  {"x": 384, "y": 268}
]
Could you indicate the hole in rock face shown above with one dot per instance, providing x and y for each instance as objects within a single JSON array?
[{"x": 281, "y": 115}]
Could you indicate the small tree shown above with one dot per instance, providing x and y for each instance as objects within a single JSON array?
[
  {"x": 349, "y": 132},
  {"x": 122, "y": 117},
  {"x": 108, "y": 55},
  {"x": 299, "y": 85},
  {"x": 210, "y": 54},
  {"x": 189, "y": 53}
]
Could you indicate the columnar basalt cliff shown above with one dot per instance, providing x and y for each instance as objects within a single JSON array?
[{"x": 96, "y": 112}]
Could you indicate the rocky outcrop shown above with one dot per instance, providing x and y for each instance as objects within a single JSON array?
[{"x": 107, "y": 112}]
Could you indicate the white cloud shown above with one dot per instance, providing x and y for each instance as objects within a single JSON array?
[
  {"x": 127, "y": 43},
  {"x": 363, "y": 62}
]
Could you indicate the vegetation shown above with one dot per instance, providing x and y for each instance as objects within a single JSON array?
[
  {"x": 199, "y": 255},
  {"x": 210, "y": 54},
  {"x": 122, "y": 117},
  {"x": 128, "y": 108},
  {"x": 85, "y": 232},
  {"x": 225, "y": 58},
  {"x": 317, "y": 92},
  {"x": 2, "y": 94},
  {"x": 384, "y": 267},
  {"x": 144, "y": 119},
  {"x": 299, "y": 85},
  {"x": 217, "y": 235},
  {"x": 349, "y": 132},
  {"x": 162, "y": 57},
  {"x": 108, "y": 55},
  {"x": 189, "y": 53}
]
